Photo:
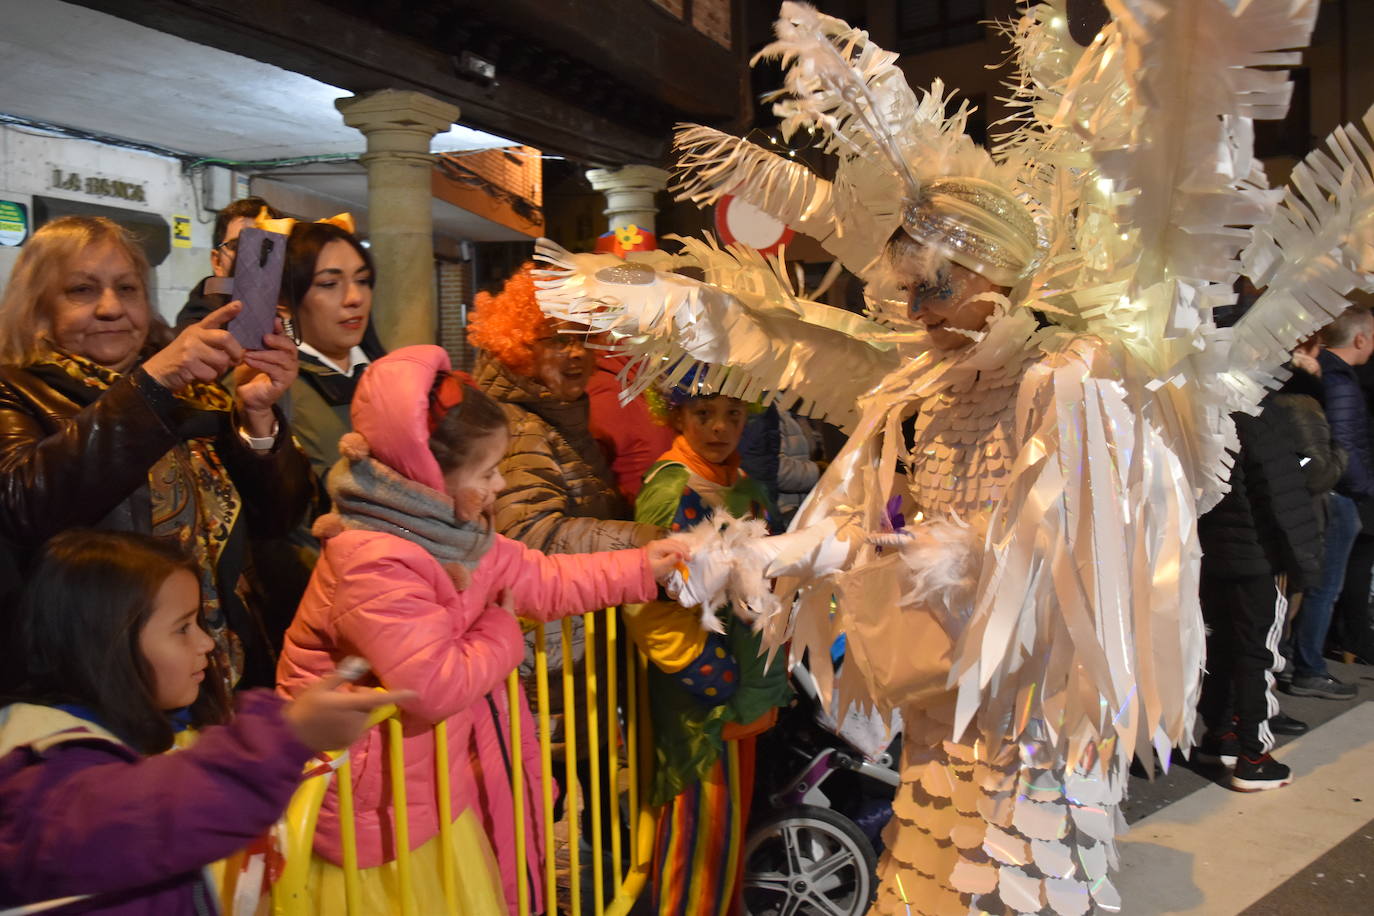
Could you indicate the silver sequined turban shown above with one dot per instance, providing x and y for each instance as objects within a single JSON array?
[{"x": 976, "y": 224}]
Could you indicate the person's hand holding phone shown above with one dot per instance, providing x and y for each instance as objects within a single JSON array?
[
  {"x": 262, "y": 378},
  {"x": 203, "y": 352}
]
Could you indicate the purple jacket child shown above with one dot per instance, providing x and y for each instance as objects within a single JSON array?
[{"x": 83, "y": 814}]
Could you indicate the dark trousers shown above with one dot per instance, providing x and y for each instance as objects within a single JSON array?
[
  {"x": 1244, "y": 620},
  {"x": 1350, "y": 628}
]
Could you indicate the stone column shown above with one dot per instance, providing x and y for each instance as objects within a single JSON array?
[
  {"x": 629, "y": 192},
  {"x": 399, "y": 126}
]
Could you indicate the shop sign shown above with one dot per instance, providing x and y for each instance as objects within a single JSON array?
[
  {"x": 181, "y": 231},
  {"x": 14, "y": 223},
  {"x": 96, "y": 186}
]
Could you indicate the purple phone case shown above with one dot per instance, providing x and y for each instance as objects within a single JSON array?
[{"x": 257, "y": 284}]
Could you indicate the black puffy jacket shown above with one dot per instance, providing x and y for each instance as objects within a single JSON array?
[
  {"x": 1300, "y": 403},
  {"x": 1266, "y": 524}
]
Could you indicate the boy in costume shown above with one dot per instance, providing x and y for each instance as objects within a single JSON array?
[{"x": 711, "y": 692}]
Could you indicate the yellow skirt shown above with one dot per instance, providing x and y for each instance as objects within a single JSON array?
[{"x": 477, "y": 878}]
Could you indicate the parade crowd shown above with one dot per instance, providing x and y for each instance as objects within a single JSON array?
[{"x": 201, "y": 540}]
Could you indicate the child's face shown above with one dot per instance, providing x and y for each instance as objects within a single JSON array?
[
  {"x": 480, "y": 473},
  {"x": 712, "y": 426},
  {"x": 173, "y": 643}
]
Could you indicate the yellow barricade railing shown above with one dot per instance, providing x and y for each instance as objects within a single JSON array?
[{"x": 623, "y": 664}]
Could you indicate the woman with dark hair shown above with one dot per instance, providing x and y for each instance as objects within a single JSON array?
[
  {"x": 106, "y": 421},
  {"x": 119, "y": 660},
  {"x": 327, "y": 288}
]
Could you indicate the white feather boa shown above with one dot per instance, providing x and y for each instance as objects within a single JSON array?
[{"x": 722, "y": 569}]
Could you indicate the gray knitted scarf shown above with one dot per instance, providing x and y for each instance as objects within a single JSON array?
[{"x": 369, "y": 495}]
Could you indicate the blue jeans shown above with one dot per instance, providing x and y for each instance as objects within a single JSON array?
[{"x": 1314, "y": 617}]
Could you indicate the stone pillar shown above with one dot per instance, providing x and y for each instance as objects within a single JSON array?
[
  {"x": 399, "y": 126},
  {"x": 629, "y": 192}
]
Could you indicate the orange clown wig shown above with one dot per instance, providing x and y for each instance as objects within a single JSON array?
[{"x": 507, "y": 325}]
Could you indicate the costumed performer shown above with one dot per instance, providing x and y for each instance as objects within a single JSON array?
[{"x": 1048, "y": 308}]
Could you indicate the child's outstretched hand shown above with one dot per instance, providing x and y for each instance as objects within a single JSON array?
[
  {"x": 665, "y": 555},
  {"x": 332, "y": 714}
]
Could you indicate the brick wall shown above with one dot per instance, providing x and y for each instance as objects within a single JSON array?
[
  {"x": 712, "y": 18},
  {"x": 455, "y": 296},
  {"x": 709, "y": 17}
]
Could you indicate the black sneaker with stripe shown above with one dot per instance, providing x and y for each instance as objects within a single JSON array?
[{"x": 1256, "y": 774}]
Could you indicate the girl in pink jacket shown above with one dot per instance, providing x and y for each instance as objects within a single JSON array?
[{"x": 413, "y": 579}]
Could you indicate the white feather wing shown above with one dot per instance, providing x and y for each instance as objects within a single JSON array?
[
  {"x": 1317, "y": 248},
  {"x": 743, "y": 322}
]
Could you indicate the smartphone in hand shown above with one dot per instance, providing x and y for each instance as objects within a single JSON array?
[{"x": 258, "y": 270}]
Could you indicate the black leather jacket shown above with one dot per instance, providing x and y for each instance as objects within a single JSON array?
[{"x": 72, "y": 455}]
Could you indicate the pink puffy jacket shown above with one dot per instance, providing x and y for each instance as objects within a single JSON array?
[{"x": 388, "y": 600}]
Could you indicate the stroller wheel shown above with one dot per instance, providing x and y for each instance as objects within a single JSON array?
[{"x": 808, "y": 860}]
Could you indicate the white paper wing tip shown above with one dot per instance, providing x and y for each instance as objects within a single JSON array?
[
  {"x": 1313, "y": 252},
  {"x": 711, "y": 164},
  {"x": 1188, "y": 98},
  {"x": 548, "y": 251}
]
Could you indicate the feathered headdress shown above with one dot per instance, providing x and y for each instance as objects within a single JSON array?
[{"x": 891, "y": 148}]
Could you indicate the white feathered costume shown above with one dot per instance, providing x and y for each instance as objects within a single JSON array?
[{"x": 1036, "y": 620}]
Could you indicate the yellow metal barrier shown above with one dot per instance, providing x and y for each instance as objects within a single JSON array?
[
  {"x": 623, "y": 665},
  {"x": 288, "y": 894}
]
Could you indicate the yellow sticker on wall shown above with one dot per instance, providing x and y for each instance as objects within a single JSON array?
[{"x": 181, "y": 232}]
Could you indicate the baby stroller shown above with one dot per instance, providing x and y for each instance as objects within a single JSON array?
[{"x": 822, "y": 795}]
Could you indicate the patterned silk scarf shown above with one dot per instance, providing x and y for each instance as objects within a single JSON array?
[{"x": 193, "y": 500}]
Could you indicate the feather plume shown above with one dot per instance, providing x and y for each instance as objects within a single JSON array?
[
  {"x": 840, "y": 83},
  {"x": 943, "y": 557}
]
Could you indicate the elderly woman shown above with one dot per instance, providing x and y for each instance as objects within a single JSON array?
[
  {"x": 105, "y": 422},
  {"x": 560, "y": 496}
]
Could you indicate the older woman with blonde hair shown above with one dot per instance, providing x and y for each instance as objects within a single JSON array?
[{"x": 107, "y": 420}]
